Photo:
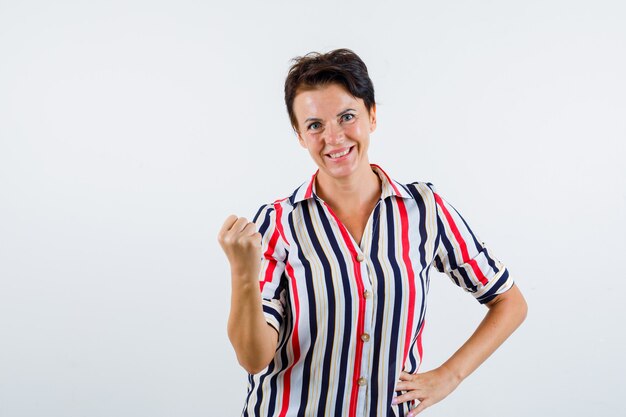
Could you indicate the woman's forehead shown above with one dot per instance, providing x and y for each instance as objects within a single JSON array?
[{"x": 326, "y": 98}]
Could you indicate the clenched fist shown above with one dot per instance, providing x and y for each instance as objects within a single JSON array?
[{"x": 242, "y": 244}]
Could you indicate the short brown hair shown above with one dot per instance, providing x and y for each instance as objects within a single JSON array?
[{"x": 341, "y": 66}]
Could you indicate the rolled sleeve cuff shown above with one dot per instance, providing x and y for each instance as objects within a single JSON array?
[
  {"x": 273, "y": 314},
  {"x": 499, "y": 284}
]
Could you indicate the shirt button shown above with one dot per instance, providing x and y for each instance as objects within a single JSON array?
[
  {"x": 360, "y": 257},
  {"x": 362, "y": 381},
  {"x": 365, "y": 337},
  {"x": 367, "y": 294}
]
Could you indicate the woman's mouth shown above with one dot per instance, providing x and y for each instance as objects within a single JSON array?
[{"x": 336, "y": 156}]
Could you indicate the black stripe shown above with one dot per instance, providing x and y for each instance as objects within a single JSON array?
[
  {"x": 469, "y": 285},
  {"x": 439, "y": 264},
  {"x": 259, "y": 401},
  {"x": 250, "y": 389},
  {"x": 479, "y": 246},
  {"x": 474, "y": 238},
  {"x": 397, "y": 305},
  {"x": 274, "y": 313},
  {"x": 266, "y": 220},
  {"x": 308, "y": 354},
  {"x": 405, "y": 188},
  {"x": 347, "y": 322},
  {"x": 283, "y": 346},
  {"x": 258, "y": 212},
  {"x": 292, "y": 197},
  {"x": 330, "y": 297},
  {"x": 491, "y": 261},
  {"x": 456, "y": 279},
  {"x": 421, "y": 208},
  {"x": 452, "y": 262},
  {"x": 491, "y": 294},
  {"x": 379, "y": 296}
]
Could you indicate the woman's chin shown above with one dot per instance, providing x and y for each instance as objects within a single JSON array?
[{"x": 340, "y": 171}]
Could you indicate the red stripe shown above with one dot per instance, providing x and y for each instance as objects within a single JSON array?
[
  {"x": 309, "y": 189},
  {"x": 294, "y": 341},
  {"x": 389, "y": 180},
  {"x": 457, "y": 235},
  {"x": 279, "y": 215},
  {"x": 404, "y": 221},
  {"x": 296, "y": 303},
  {"x": 361, "y": 316},
  {"x": 419, "y": 351},
  {"x": 269, "y": 254}
]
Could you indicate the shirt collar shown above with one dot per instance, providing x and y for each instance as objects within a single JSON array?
[{"x": 389, "y": 187}]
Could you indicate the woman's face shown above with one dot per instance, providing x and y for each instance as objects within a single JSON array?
[{"x": 334, "y": 127}]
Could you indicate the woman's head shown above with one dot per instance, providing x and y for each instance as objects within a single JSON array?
[{"x": 315, "y": 70}]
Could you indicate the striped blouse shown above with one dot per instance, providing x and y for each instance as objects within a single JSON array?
[{"x": 350, "y": 317}]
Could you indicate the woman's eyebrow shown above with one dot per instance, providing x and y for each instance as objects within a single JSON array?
[
  {"x": 345, "y": 111},
  {"x": 339, "y": 114}
]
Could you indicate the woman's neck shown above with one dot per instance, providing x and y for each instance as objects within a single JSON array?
[{"x": 354, "y": 191}]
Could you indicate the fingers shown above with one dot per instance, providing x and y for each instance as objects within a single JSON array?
[
  {"x": 408, "y": 382},
  {"x": 240, "y": 224},
  {"x": 428, "y": 388},
  {"x": 228, "y": 223},
  {"x": 238, "y": 232},
  {"x": 408, "y": 396},
  {"x": 405, "y": 376},
  {"x": 407, "y": 386},
  {"x": 234, "y": 224},
  {"x": 249, "y": 229},
  {"x": 416, "y": 395},
  {"x": 421, "y": 406}
]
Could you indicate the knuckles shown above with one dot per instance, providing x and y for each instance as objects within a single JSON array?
[{"x": 240, "y": 239}]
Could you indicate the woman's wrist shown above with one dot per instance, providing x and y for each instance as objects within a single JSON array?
[{"x": 455, "y": 374}]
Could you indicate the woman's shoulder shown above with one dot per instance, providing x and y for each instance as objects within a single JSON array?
[
  {"x": 403, "y": 189},
  {"x": 280, "y": 205},
  {"x": 422, "y": 185},
  {"x": 424, "y": 189}
]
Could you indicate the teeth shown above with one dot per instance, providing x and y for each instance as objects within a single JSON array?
[{"x": 340, "y": 154}]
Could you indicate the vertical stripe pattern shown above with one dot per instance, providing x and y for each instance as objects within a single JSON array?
[{"x": 350, "y": 316}]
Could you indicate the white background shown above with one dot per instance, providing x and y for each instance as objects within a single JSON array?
[{"x": 130, "y": 129}]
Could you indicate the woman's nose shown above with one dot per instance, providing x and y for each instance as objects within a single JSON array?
[{"x": 334, "y": 133}]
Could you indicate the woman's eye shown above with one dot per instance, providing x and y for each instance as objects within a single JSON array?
[
  {"x": 314, "y": 126},
  {"x": 348, "y": 117}
]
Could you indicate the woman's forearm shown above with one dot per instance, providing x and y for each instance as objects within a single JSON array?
[
  {"x": 252, "y": 338},
  {"x": 506, "y": 312}
]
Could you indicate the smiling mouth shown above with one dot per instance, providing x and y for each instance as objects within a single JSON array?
[{"x": 340, "y": 154}]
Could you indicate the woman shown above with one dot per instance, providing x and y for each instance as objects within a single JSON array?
[{"x": 329, "y": 295}]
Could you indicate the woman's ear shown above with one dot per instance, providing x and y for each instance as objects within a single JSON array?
[
  {"x": 372, "y": 116},
  {"x": 301, "y": 140}
]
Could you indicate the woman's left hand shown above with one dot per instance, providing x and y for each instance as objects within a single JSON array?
[{"x": 428, "y": 388}]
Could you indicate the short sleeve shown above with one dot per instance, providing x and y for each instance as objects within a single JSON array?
[
  {"x": 271, "y": 282},
  {"x": 465, "y": 258}
]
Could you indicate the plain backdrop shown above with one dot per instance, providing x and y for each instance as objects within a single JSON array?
[{"x": 129, "y": 130}]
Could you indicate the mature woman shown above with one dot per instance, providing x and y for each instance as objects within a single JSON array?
[{"x": 329, "y": 295}]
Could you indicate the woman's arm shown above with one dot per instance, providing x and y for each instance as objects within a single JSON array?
[
  {"x": 253, "y": 339},
  {"x": 506, "y": 312}
]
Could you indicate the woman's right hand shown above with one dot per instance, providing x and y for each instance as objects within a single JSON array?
[
  {"x": 252, "y": 338},
  {"x": 242, "y": 245}
]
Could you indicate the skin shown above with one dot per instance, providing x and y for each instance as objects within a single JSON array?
[
  {"x": 329, "y": 121},
  {"x": 253, "y": 339}
]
